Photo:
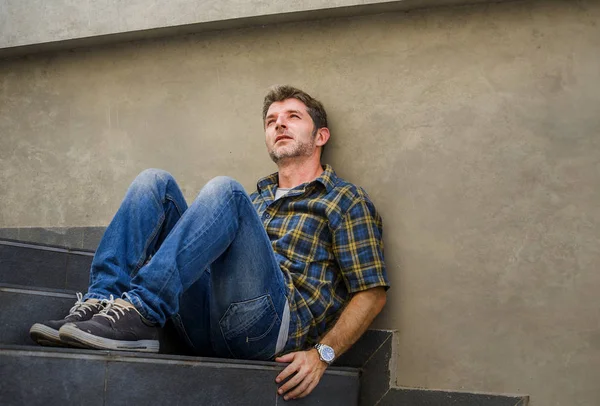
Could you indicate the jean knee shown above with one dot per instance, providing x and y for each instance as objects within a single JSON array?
[
  {"x": 150, "y": 178},
  {"x": 223, "y": 185}
]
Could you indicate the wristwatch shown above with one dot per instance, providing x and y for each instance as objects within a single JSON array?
[{"x": 326, "y": 353}]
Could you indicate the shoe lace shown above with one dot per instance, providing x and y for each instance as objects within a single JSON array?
[
  {"x": 112, "y": 309},
  {"x": 80, "y": 307}
]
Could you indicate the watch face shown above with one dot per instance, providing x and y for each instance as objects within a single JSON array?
[{"x": 327, "y": 353}]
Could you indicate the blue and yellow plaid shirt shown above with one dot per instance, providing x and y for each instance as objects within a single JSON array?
[{"x": 327, "y": 238}]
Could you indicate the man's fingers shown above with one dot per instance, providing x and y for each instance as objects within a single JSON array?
[
  {"x": 286, "y": 358},
  {"x": 289, "y": 370},
  {"x": 308, "y": 371},
  {"x": 298, "y": 389},
  {"x": 293, "y": 382},
  {"x": 308, "y": 390}
]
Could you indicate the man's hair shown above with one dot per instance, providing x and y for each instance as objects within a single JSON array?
[{"x": 314, "y": 107}]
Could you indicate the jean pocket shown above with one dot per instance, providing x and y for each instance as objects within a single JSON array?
[{"x": 250, "y": 328}]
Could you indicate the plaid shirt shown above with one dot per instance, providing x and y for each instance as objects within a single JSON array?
[{"x": 327, "y": 238}]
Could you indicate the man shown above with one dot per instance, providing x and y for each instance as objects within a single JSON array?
[{"x": 293, "y": 272}]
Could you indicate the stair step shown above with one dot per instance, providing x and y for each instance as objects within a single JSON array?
[
  {"x": 39, "y": 283},
  {"x": 54, "y": 376},
  {"x": 22, "y": 306},
  {"x": 44, "y": 266}
]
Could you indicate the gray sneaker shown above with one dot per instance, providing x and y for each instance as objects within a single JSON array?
[
  {"x": 119, "y": 326},
  {"x": 46, "y": 333}
]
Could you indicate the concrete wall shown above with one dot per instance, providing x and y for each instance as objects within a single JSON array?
[
  {"x": 30, "y": 25},
  {"x": 475, "y": 130}
]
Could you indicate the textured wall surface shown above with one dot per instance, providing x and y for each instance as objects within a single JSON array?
[
  {"x": 31, "y": 22},
  {"x": 474, "y": 129}
]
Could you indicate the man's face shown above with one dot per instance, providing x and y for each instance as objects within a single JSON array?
[{"x": 289, "y": 131}]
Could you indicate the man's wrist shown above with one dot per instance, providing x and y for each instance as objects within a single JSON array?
[
  {"x": 326, "y": 353},
  {"x": 318, "y": 356}
]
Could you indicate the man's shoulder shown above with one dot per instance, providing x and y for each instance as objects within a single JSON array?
[
  {"x": 346, "y": 198},
  {"x": 348, "y": 192}
]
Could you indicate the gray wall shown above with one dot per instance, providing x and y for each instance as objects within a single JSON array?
[
  {"x": 38, "y": 24},
  {"x": 474, "y": 129}
]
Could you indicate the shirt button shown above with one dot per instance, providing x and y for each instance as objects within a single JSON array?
[{"x": 266, "y": 216}]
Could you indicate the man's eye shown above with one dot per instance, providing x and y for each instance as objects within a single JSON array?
[
  {"x": 295, "y": 115},
  {"x": 270, "y": 122}
]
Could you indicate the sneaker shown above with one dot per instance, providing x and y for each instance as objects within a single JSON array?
[
  {"x": 119, "y": 326},
  {"x": 46, "y": 333}
]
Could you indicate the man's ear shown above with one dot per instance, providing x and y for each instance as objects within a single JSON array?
[{"x": 322, "y": 136}]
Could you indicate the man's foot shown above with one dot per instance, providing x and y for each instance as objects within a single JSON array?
[
  {"x": 46, "y": 333},
  {"x": 119, "y": 326}
]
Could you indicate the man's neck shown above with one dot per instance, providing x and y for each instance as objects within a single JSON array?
[{"x": 292, "y": 174}]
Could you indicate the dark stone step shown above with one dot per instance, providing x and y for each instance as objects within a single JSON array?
[
  {"x": 425, "y": 397},
  {"x": 33, "y": 279},
  {"x": 48, "y": 376},
  {"x": 78, "y": 238},
  {"x": 21, "y": 307},
  {"x": 44, "y": 266}
]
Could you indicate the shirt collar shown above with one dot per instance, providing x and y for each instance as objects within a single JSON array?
[{"x": 328, "y": 179}]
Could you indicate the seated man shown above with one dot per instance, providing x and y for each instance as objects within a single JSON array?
[{"x": 293, "y": 271}]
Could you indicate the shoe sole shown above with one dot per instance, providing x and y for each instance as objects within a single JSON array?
[
  {"x": 44, "y": 335},
  {"x": 70, "y": 334}
]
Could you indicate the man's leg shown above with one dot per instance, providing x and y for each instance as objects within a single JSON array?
[
  {"x": 205, "y": 232},
  {"x": 244, "y": 289},
  {"x": 152, "y": 206}
]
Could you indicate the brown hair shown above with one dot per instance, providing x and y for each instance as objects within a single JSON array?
[{"x": 314, "y": 107}]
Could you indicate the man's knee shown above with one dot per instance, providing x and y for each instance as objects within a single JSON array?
[
  {"x": 223, "y": 185},
  {"x": 149, "y": 178}
]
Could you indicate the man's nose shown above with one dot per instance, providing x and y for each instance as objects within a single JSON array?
[{"x": 280, "y": 123}]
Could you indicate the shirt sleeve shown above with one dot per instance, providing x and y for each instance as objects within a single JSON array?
[{"x": 358, "y": 247}]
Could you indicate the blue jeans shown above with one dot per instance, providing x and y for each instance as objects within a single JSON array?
[{"x": 210, "y": 268}]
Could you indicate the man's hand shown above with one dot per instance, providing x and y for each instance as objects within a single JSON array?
[
  {"x": 352, "y": 323},
  {"x": 308, "y": 368}
]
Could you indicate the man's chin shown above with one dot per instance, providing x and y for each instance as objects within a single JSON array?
[
  {"x": 281, "y": 158},
  {"x": 282, "y": 155},
  {"x": 277, "y": 158},
  {"x": 278, "y": 155}
]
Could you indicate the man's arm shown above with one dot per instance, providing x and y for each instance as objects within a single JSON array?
[{"x": 354, "y": 320}]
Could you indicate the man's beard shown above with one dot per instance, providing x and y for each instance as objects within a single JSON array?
[{"x": 297, "y": 150}]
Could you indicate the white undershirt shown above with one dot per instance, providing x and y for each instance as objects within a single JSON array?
[
  {"x": 285, "y": 320},
  {"x": 280, "y": 192}
]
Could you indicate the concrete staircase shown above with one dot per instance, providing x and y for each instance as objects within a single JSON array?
[{"x": 39, "y": 282}]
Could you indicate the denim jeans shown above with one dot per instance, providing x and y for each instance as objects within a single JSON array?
[{"x": 210, "y": 268}]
